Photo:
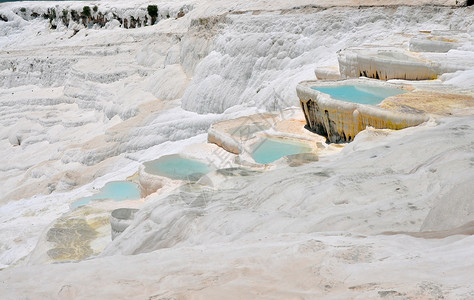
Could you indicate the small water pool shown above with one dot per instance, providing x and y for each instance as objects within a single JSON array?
[
  {"x": 271, "y": 149},
  {"x": 177, "y": 167},
  {"x": 115, "y": 190},
  {"x": 360, "y": 93}
]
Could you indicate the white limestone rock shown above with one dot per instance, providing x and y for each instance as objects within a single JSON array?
[
  {"x": 92, "y": 116},
  {"x": 327, "y": 73},
  {"x": 439, "y": 41}
]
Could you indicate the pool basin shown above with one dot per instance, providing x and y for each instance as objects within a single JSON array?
[
  {"x": 269, "y": 150},
  {"x": 175, "y": 166},
  {"x": 359, "y": 93},
  {"x": 115, "y": 190},
  {"x": 341, "y": 120}
]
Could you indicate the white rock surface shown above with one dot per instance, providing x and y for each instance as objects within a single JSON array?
[
  {"x": 311, "y": 235},
  {"x": 80, "y": 109},
  {"x": 439, "y": 41}
]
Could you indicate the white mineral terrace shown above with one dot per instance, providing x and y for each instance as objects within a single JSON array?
[
  {"x": 92, "y": 92},
  {"x": 430, "y": 54},
  {"x": 440, "y": 41},
  {"x": 340, "y": 120},
  {"x": 394, "y": 63}
]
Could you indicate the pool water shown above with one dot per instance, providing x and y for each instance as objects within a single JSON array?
[
  {"x": 115, "y": 190},
  {"x": 363, "y": 94},
  {"x": 177, "y": 167},
  {"x": 271, "y": 149}
]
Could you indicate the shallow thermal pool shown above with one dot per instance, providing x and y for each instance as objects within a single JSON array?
[
  {"x": 360, "y": 93},
  {"x": 115, "y": 190},
  {"x": 271, "y": 149},
  {"x": 177, "y": 167}
]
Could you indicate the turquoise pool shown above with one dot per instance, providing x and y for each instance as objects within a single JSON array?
[
  {"x": 271, "y": 149},
  {"x": 360, "y": 93},
  {"x": 115, "y": 190},
  {"x": 177, "y": 167}
]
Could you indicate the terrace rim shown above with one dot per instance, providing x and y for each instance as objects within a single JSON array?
[{"x": 341, "y": 121}]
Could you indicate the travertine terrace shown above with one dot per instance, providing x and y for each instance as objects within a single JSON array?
[{"x": 88, "y": 97}]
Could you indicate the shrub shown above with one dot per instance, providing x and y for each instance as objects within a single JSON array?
[
  {"x": 86, "y": 11},
  {"x": 23, "y": 9},
  {"x": 95, "y": 8},
  {"x": 152, "y": 11},
  {"x": 74, "y": 15},
  {"x": 52, "y": 13},
  {"x": 65, "y": 13}
]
